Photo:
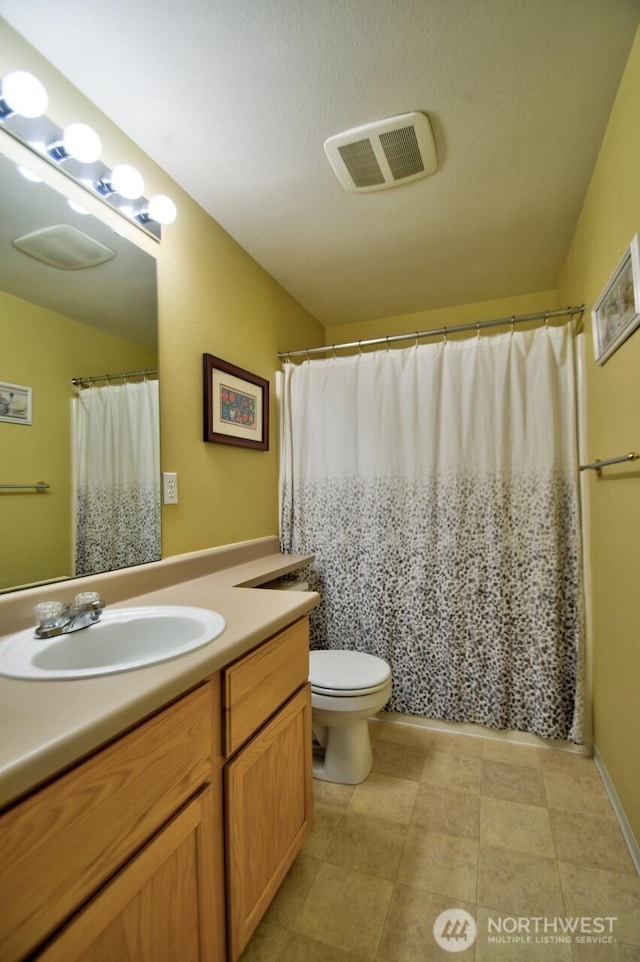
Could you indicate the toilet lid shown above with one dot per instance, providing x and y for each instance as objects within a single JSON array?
[{"x": 347, "y": 672}]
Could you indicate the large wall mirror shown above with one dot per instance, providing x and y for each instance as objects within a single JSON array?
[{"x": 57, "y": 324}]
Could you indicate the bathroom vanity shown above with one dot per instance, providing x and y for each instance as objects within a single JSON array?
[{"x": 168, "y": 840}]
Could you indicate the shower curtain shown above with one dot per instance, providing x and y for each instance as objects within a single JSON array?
[
  {"x": 437, "y": 488},
  {"x": 117, "y": 476}
]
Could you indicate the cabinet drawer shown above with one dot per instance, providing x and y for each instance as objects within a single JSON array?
[
  {"x": 258, "y": 684},
  {"x": 61, "y": 844}
]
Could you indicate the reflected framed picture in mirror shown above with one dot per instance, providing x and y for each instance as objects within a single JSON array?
[
  {"x": 15, "y": 403},
  {"x": 236, "y": 405}
]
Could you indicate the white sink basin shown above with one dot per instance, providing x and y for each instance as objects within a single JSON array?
[{"x": 123, "y": 639}]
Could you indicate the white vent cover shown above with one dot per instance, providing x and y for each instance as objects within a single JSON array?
[
  {"x": 387, "y": 153},
  {"x": 65, "y": 247}
]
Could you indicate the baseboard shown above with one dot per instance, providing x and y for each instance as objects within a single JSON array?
[
  {"x": 479, "y": 731},
  {"x": 627, "y": 831}
]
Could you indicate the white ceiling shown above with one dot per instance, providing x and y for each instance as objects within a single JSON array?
[{"x": 235, "y": 98}]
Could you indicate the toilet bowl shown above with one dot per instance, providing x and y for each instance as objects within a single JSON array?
[{"x": 347, "y": 687}]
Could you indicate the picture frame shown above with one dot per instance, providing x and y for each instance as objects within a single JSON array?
[
  {"x": 616, "y": 313},
  {"x": 16, "y": 403},
  {"x": 236, "y": 405}
]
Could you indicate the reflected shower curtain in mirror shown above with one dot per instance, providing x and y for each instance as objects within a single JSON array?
[
  {"x": 437, "y": 488},
  {"x": 117, "y": 472}
]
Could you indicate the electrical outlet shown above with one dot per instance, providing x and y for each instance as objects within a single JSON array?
[{"x": 169, "y": 487}]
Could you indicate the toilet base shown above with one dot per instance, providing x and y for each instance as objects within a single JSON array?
[{"x": 346, "y": 756}]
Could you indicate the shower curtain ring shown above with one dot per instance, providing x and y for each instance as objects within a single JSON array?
[
  {"x": 417, "y": 337},
  {"x": 444, "y": 331},
  {"x": 387, "y": 343},
  {"x": 513, "y": 323},
  {"x": 359, "y": 347},
  {"x": 478, "y": 329},
  {"x": 546, "y": 320},
  {"x": 333, "y": 351}
]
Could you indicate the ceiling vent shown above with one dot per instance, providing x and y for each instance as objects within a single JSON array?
[
  {"x": 387, "y": 153},
  {"x": 64, "y": 247}
]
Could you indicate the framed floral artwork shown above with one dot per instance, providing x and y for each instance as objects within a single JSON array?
[
  {"x": 236, "y": 405},
  {"x": 616, "y": 313}
]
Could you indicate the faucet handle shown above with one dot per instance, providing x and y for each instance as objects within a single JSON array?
[
  {"x": 89, "y": 601},
  {"x": 49, "y": 614}
]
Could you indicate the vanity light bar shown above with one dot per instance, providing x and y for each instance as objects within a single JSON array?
[{"x": 76, "y": 152}]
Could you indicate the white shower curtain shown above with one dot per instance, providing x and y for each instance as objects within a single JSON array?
[
  {"x": 436, "y": 487},
  {"x": 117, "y": 476}
]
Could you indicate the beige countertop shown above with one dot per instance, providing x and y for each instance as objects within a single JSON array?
[{"x": 45, "y": 726}]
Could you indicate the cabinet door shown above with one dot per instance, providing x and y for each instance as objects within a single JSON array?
[
  {"x": 268, "y": 814},
  {"x": 159, "y": 907}
]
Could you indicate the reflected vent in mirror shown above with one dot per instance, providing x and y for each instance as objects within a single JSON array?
[
  {"x": 387, "y": 153},
  {"x": 64, "y": 247}
]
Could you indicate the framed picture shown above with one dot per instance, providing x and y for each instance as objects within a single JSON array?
[
  {"x": 616, "y": 313},
  {"x": 15, "y": 403},
  {"x": 236, "y": 405}
]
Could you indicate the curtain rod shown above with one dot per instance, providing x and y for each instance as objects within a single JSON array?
[
  {"x": 439, "y": 332},
  {"x": 113, "y": 377}
]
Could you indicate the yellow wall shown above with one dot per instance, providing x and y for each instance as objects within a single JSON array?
[
  {"x": 44, "y": 350},
  {"x": 442, "y": 317},
  {"x": 609, "y": 219},
  {"x": 213, "y": 298}
]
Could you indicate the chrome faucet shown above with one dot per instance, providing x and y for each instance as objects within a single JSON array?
[{"x": 56, "y": 618}]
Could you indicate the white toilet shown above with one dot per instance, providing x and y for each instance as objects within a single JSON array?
[{"x": 347, "y": 687}]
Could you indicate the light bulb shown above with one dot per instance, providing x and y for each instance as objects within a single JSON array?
[
  {"x": 75, "y": 206},
  {"x": 24, "y": 94},
  {"x": 127, "y": 181},
  {"x": 81, "y": 142},
  {"x": 28, "y": 174},
  {"x": 162, "y": 209}
]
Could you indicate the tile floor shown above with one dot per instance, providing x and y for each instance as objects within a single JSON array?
[{"x": 454, "y": 821}]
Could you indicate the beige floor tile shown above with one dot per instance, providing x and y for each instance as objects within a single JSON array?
[
  {"x": 408, "y": 932},
  {"x": 597, "y": 893},
  {"x": 346, "y": 909},
  {"x": 299, "y": 948},
  {"x": 582, "y": 795},
  {"x": 446, "y": 811},
  {"x": 494, "y": 750},
  {"x": 568, "y": 763},
  {"x": 585, "y": 840},
  {"x": 331, "y": 793},
  {"x": 495, "y": 945},
  {"x": 399, "y": 734},
  {"x": 290, "y": 897},
  {"x": 401, "y": 761},
  {"x": 266, "y": 944},
  {"x": 384, "y": 797},
  {"x": 514, "y": 825},
  {"x": 462, "y": 772},
  {"x": 368, "y": 844},
  {"x": 517, "y": 783},
  {"x": 325, "y": 821},
  {"x": 450, "y": 743},
  {"x": 517, "y": 883},
  {"x": 442, "y": 864}
]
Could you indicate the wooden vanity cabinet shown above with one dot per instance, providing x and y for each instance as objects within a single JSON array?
[
  {"x": 178, "y": 830},
  {"x": 268, "y": 781},
  {"x": 121, "y": 857}
]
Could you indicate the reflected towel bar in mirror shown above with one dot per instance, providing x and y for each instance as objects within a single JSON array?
[{"x": 39, "y": 486}]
